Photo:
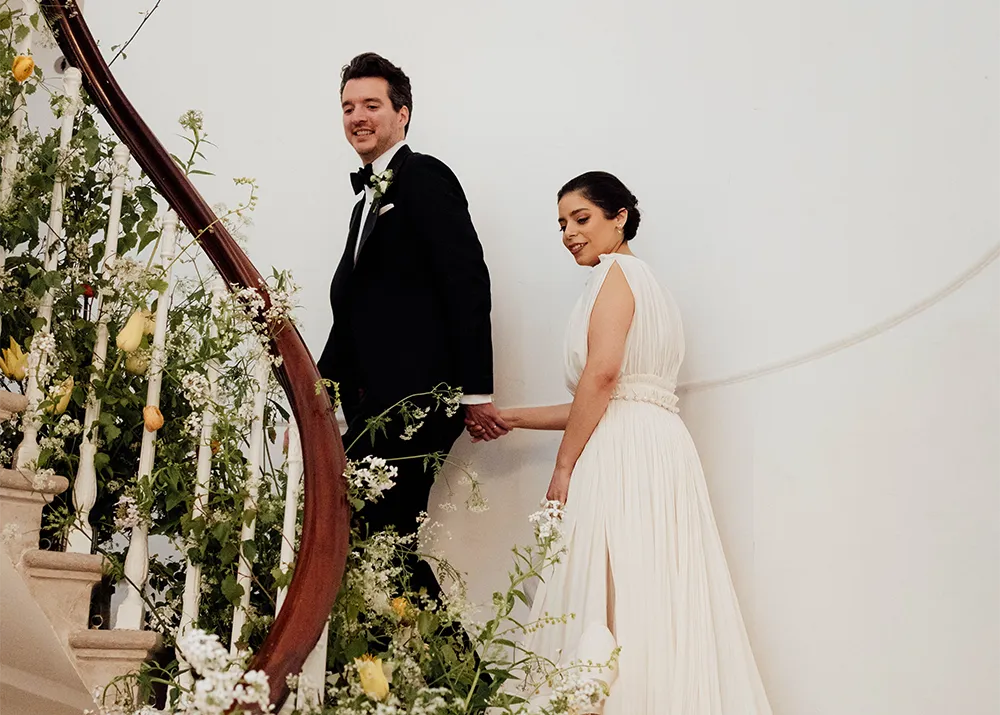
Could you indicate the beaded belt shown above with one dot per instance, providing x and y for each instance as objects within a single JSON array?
[{"x": 646, "y": 388}]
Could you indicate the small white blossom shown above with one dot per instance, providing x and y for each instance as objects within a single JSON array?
[{"x": 370, "y": 477}]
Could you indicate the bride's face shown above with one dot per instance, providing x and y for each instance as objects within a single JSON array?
[{"x": 586, "y": 232}]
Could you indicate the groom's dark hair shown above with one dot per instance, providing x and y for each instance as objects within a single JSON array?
[{"x": 370, "y": 64}]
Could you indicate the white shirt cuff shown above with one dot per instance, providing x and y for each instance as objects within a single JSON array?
[{"x": 476, "y": 399}]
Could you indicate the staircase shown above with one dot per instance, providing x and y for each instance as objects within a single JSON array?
[{"x": 46, "y": 607}]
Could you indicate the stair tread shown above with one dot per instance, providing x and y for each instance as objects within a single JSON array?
[
  {"x": 12, "y": 402},
  {"x": 64, "y": 561},
  {"x": 24, "y": 480},
  {"x": 115, "y": 639}
]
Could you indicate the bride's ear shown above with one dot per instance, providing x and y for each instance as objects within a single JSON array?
[{"x": 622, "y": 217}]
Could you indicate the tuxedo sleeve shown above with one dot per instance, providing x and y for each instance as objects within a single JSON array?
[{"x": 441, "y": 214}]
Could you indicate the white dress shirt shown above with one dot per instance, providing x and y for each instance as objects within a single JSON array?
[{"x": 378, "y": 166}]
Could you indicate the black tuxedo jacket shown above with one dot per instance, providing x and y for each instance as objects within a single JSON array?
[{"x": 414, "y": 311}]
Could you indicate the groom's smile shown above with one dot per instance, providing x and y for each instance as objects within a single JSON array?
[{"x": 371, "y": 122}]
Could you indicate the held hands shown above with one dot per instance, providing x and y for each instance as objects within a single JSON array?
[{"x": 485, "y": 423}]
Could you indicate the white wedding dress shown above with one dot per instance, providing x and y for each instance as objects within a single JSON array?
[{"x": 644, "y": 557}]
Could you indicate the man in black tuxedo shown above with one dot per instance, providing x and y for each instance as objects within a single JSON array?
[{"x": 411, "y": 298}]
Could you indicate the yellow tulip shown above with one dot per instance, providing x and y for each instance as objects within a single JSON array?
[
  {"x": 152, "y": 418},
  {"x": 130, "y": 336},
  {"x": 14, "y": 362},
  {"x": 372, "y": 675},
  {"x": 138, "y": 362},
  {"x": 22, "y": 68},
  {"x": 64, "y": 392}
]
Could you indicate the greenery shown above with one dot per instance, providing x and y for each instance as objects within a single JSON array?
[{"x": 392, "y": 648}]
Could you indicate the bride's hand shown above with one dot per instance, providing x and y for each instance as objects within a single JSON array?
[
  {"x": 478, "y": 433},
  {"x": 559, "y": 486}
]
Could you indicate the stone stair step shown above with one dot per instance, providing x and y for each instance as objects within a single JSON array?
[
  {"x": 101, "y": 656},
  {"x": 22, "y": 496},
  {"x": 11, "y": 403},
  {"x": 61, "y": 583}
]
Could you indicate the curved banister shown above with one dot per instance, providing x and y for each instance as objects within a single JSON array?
[{"x": 322, "y": 554}]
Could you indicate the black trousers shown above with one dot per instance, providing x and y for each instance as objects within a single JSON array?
[{"x": 400, "y": 506}]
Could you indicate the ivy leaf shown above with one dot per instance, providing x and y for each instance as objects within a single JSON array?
[
  {"x": 249, "y": 551},
  {"x": 232, "y": 590},
  {"x": 173, "y": 499},
  {"x": 282, "y": 578},
  {"x": 356, "y": 648},
  {"x": 228, "y": 554},
  {"x": 221, "y": 531},
  {"x": 427, "y": 623}
]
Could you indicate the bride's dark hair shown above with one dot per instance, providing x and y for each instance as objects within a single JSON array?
[{"x": 610, "y": 194}]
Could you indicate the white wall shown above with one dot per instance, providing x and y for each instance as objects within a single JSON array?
[{"x": 804, "y": 169}]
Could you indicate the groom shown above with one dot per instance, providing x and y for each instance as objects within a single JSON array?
[{"x": 411, "y": 298}]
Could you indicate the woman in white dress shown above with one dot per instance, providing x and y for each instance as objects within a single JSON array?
[{"x": 644, "y": 568}]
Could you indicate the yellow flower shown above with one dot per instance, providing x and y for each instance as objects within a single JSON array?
[
  {"x": 402, "y": 608},
  {"x": 130, "y": 336},
  {"x": 149, "y": 325},
  {"x": 22, "y": 68},
  {"x": 14, "y": 362},
  {"x": 152, "y": 417},
  {"x": 138, "y": 362},
  {"x": 64, "y": 392},
  {"x": 373, "y": 678}
]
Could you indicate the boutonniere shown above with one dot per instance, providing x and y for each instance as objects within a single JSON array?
[{"x": 380, "y": 184}]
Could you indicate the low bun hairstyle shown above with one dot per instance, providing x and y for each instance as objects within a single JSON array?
[{"x": 610, "y": 194}]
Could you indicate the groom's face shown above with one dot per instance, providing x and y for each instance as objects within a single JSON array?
[{"x": 371, "y": 124}]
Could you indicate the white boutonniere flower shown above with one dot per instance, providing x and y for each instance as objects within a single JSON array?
[{"x": 380, "y": 184}]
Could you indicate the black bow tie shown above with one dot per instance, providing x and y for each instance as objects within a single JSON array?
[{"x": 361, "y": 178}]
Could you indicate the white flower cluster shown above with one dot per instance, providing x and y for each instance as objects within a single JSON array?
[
  {"x": 576, "y": 695},
  {"x": 221, "y": 684},
  {"x": 40, "y": 357},
  {"x": 127, "y": 513},
  {"x": 548, "y": 522},
  {"x": 452, "y": 403},
  {"x": 79, "y": 266},
  {"x": 197, "y": 390},
  {"x": 250, "y": 304},
  {"x": 7, "y": 281},
  {"x": 370, "y": 477},
  {"x": 43, "y": 479},
  {"x": 282, "y": 301},
  {"x": 417, "y": 415},
  {"x": 193, "y": 425},
  {"x": 373, "y": 570},
  {"x": 56, "y": 442},
  {"x": 127, "y": 276}
]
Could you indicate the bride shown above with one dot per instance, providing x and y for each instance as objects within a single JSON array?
[{"x": 644, "y": 569}]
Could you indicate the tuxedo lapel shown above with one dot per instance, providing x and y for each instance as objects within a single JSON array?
[
  {"x": 347, "y": 260},
  {"x": 370, "y": 220}
]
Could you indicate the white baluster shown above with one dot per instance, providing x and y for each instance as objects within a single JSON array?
[
  {"x": 293, "y": 469},
  {"x": 27, "y": 452},
  {"x": 130, "y": 611},
  {"x": 85, "y": 485},
  {"x": 12, "y": 152},
  {"x": 243, "y": 575},
  {"x": 312, "y": 679},
  {"x": 192, "y": 576},
  {"x": 313, "y": 676}
]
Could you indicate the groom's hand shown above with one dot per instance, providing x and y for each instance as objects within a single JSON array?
[{"x": 484, "y": 422}]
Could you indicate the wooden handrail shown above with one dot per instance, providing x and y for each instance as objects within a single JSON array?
[{"x": 322, "y": 555}]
